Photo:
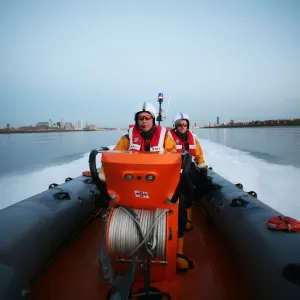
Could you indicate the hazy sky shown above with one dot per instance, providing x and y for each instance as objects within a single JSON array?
[{"x": 96, "y": 60}]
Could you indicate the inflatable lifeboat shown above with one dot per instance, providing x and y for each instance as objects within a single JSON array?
[{"x": 65, "y": 243}]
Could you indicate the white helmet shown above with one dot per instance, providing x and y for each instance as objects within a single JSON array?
[
  {"x": 146, "y": 107},
  {"x": 182, "y": 116}
]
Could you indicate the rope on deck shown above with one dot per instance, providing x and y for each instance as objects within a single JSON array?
[{"x": 122, "y": 233}]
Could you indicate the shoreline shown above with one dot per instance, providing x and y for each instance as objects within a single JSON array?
[
  {"x": 51, "y": 131},
  {"x": 14, "y": 131},
  {"x": 248, "y": 126}
]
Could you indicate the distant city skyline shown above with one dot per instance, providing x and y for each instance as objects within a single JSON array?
[
  {"x": 238, "y": 60},
  {"x": 80, "y": 124},
  {"x": 169, "y": 120},
  {"x": 77, "y": 123}
]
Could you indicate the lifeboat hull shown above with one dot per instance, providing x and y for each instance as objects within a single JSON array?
[
  {"x": 269, "y": 259},
  {"x": 260, "y": 264},
  {"x": 32, "y": 231}
]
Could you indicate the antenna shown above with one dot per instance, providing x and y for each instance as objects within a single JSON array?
[
  {"x": 160, "y": 101},
  {"x": 168, "y": 107}
]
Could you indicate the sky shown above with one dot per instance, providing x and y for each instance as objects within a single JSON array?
[{"x": 97, "y": 61}]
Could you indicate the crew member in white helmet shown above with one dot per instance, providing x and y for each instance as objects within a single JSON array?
[
  {"x": 147, "y": 136},
  {"x": 185, "y": 140}
]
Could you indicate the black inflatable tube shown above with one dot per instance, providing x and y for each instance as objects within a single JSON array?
[
  {"x": 33, "y": 230},
  {"x": 269, "y": 259}
]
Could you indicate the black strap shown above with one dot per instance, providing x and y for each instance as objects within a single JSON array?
[{"x": 127, "y": 136}]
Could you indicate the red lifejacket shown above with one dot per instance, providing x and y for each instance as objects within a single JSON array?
[
  {"x": 180, "y": 146},
  {"x": 156, "y": 143}
]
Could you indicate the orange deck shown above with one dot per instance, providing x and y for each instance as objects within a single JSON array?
[{"x": 76, "y": 275}]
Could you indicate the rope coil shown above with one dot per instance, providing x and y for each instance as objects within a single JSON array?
[{"x": 123, "y": 237}]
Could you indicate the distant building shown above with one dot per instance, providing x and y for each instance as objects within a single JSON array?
[
  {"x": 50, "y": 123},
  {"x": 8, "y": 126},
  {"x": 218, "y": 120},
  {"x": 42, "y": 124},
  {"x": 90, "y": 127},
  {"x": 68, "y": 126},
  {"x": 79, "y": 124},
  {"x": 231, "y": 121},
  {"x": 62, "y": 123}
]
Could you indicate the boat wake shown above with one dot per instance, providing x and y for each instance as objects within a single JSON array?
[{"x": 276, "y": 185}]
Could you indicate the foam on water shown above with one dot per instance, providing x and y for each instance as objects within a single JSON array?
[
  {"x": 276, "y": 185},
  {"x": 19, "y": 187}
]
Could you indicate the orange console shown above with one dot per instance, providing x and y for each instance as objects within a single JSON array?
[{"x": 142, "y": 185}]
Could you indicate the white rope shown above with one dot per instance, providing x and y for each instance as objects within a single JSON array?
[{"x": 123, "y": 237}]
